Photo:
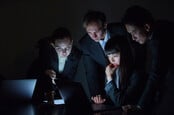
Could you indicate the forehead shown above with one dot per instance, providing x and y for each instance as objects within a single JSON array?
[
  {"x": 131, "y": 27},
  {"x": 65, "y": 41},
  {"x": 114, "y": 54},
  {"x": 93, "y": 25},
  {"x": 93, "y": 28}
]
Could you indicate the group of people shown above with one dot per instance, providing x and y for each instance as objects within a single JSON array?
[{"x": 125, "y": 62}]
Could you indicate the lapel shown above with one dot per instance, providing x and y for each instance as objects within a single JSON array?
[{"x": 97, "y": 53}]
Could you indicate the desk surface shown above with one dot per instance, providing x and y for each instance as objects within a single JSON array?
[{"x": 44, "y": 109}]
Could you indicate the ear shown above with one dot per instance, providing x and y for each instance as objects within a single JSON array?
[
  {"x": 105, "y": 25},
  {"x": 72, "y": 41},
  {"x": 147, "y": 27},
  {"x": 52, "y": 44}
]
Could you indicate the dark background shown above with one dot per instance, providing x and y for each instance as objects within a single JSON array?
[{"x": 24, "y": 22}]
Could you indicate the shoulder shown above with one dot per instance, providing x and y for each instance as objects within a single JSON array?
[
  {"x": 84, "y": 39},
  {"x": 76, "y": 52},
  {"x": 163, "y": 28},
  {"x": 85, "y": 43}
]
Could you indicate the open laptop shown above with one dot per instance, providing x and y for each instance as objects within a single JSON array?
[
  {"x": 76, "y": 99},
  {"x": 17, "y": 90}
]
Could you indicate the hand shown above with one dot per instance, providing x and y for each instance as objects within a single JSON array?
[
  {"x": 131, "y": 108},
  {"x": 109, "y": 71},
  {"x": 51, "y": 73},
  {"x": 98, "y": 99}
]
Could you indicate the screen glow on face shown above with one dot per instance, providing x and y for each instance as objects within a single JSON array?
[
  {"x": 63, "y": 47},
  {"x": 95, "y": 31},
  {"x": 114, "y": 58},
  {"x": 138, "y": 34}
]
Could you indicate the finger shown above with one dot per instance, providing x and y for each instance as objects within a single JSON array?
[{"x": 96, "y": 99}]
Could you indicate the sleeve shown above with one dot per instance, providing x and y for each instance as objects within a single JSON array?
[
  {"x": 94, "y": 76},
  {"x": 127, "y": 95},
  {"x": 153, "y": 72}
]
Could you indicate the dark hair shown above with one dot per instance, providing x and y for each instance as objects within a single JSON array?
[
  {"x": 120, "y": 44},
  {"x": 60, "y": 33},
  {"x": 94, "y": 16},
  {"x": 137, "y": 16}
]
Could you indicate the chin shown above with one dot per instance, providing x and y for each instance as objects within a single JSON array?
[
  {"x": 96, "y": 40},
  {"x": 63, "y": 56},
  {"x": 141, "y": 42}
]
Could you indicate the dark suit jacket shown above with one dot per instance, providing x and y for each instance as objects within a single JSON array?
[
  {"x": 158, "y": 60},
  {"x": 95, "y": 60},
  {"x": 129, "y": 94},
  {"x": 48, "y": 59}
]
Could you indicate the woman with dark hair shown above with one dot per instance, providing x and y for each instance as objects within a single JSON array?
[{"x": 123, "y": 84}]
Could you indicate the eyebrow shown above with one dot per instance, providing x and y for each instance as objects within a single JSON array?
[{"x": 66, "y": 46}]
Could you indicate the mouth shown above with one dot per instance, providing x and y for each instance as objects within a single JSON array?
[
  {"x": 137, "y": 40},
  {"x": 114, "y": 65}
]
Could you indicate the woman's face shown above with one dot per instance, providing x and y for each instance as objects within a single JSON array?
[
  {"x": 114, "y": 58},
  {"x": 63, "y": 47}
]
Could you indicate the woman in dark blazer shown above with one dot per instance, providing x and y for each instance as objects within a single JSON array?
[{"x": 123, "y": 83}]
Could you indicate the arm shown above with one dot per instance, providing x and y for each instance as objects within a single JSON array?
[
  {"x": 153, "y": 72},
  {"x": 127, "y": 95}
]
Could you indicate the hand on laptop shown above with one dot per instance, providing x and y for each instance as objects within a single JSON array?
[
  {"x": 98, "y": 99},
  {"x": 51, "y": 73}
]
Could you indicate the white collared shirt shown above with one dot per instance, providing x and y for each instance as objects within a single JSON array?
[
  {"x": 61, "y": 63},
  {"x": 103, "y": 42}
]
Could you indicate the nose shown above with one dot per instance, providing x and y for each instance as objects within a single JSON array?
[
  {"x": 133, "y": 37},
  {"x": 112, "y": 60},
  {"x": 94, "y": 35},
  {"x": 64, "y": 51}
]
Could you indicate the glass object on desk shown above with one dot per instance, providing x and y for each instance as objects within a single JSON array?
[{"x": 50, "y": 97}]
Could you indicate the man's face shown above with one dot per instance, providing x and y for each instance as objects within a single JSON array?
[
  {"x": 63, "y": 47},
  {"x": 95, "y": 31},
  {"x": 138, "y": 34}
]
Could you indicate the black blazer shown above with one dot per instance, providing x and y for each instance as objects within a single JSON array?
[
  {"x": 158, "y": 60},
  {"x": 95, "y": 60},
  {"x": 48, "y": 59},
  {"x": 129, "y": 93}
]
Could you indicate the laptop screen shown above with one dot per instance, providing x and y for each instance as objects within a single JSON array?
[
  {"x": 18, "y": 90},
  {"x": 74, "y": 97}
]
